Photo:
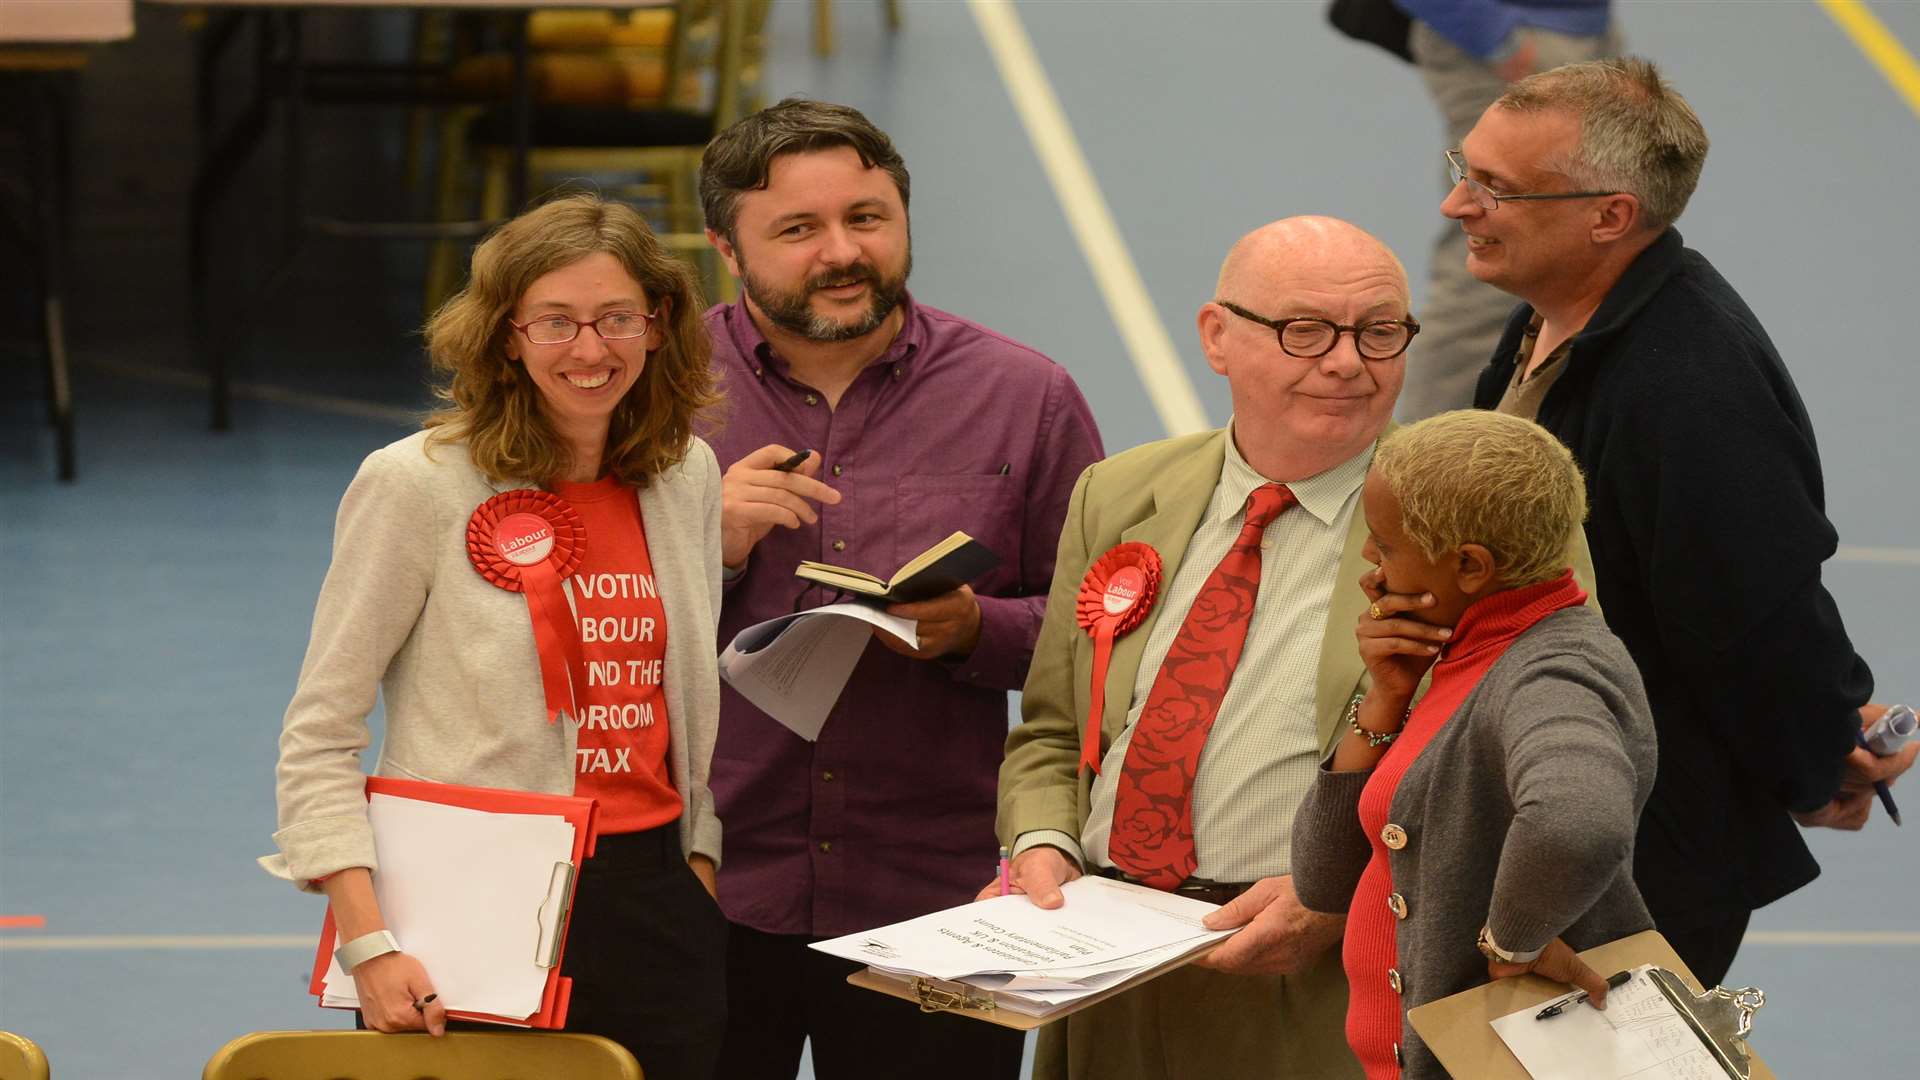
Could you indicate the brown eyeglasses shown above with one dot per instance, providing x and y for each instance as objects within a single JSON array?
[
  {"x": 1309, "y": 338},
  {"x": 560, "y": 329}
]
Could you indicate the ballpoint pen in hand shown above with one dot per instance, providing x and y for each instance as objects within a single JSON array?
[
  {"x": 1879, "y": 786},
  {"x": 1614, "y": 982},
  {"x": 1004, "y": 883}
]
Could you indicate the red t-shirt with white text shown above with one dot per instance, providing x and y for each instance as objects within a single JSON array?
[{"x": 622, "y": 721}]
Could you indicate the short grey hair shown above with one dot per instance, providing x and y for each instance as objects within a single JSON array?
[{"x": 1637, "y": 134}]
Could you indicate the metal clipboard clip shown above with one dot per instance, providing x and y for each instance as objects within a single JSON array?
[
  {"x": 948, "y": 997},
  {"x": 1721, "y": 1018},
  {"x": 546, "y": 947}
]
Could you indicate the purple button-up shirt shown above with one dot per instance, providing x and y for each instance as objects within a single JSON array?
[{"x": 890, "y": 814}]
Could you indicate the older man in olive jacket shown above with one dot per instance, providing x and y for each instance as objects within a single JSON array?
[{"x": 1249, "y": 629}]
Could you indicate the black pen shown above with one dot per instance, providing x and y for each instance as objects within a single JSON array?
[
  {"x": 1879, "y": 786},
  {"x": 798, "y": 459},
  {"x": 1614, "y": 982}
]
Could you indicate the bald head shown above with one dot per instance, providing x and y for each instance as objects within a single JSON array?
[
  {"x": 1296, "y": 416},
  {"x": 1290, "y": 245}
]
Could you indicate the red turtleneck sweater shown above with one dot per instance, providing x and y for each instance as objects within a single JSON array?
[{"x": 1374, "y": 1011}]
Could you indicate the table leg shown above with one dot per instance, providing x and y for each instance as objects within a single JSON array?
[{"x": 51, "y": 202}]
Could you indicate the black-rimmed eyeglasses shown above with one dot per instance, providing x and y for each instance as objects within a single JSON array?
[
  {"x": 1308, "y": 338},
  {"x": 560, "y": 329},
  {"x": 1489, "y": 199}
]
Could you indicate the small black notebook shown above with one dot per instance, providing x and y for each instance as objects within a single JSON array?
[{"x": 942, "y": 568}]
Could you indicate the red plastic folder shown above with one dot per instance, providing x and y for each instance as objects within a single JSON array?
[{"x": 579, "y": 812}]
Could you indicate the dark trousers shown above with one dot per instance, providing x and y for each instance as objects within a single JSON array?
[
  {"x": 646, "y": 951},
  {"x": 1708, "y": 946},
  {"x": 781, "y": 993}
]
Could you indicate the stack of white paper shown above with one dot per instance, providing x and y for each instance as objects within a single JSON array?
[
  {"x": 473, "y": 895},
  {"x": 793, "y": 667},
  {"x": 1035, "y": 960},
  {"x": 1639, "y": 1036}
]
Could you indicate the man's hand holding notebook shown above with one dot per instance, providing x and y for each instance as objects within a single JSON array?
[{"x": 940, "y": 569}]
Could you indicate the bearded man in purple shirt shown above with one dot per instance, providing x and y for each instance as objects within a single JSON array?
[{"x": 918, "y": 423}]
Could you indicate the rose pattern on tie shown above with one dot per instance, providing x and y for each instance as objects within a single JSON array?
[{"x": 1152, "y": 836}]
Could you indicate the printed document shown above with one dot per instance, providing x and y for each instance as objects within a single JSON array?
[
  {"x": 1639, "y": 1036},
  {"x": 1035, "y": 960},
  {"x": 794, "y": 667}
]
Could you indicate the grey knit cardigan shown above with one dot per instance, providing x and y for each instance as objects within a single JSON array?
[{"x": 1520, "y": 815}]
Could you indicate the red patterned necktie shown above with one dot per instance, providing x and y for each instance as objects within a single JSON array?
[{"x": 1152, "y": 837}]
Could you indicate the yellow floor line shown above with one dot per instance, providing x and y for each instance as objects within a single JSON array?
[{"x": 1873, "y": 38}]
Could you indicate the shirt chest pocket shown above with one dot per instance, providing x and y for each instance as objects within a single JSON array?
[{"x": 928, "y": 509}]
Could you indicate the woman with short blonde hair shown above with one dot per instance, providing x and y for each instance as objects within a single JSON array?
[
  {"x": 1481, "y": 477},
  {"x": 532, "y": 584},
  {"x": 1486, "y": 829}
]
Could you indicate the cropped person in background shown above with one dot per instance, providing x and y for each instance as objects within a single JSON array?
[
  {"x": 917, "y": 423},
  {"x": 1500, "y": 809},
  {"x": 575, "y": 366}
]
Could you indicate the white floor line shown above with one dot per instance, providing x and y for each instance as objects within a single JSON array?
[
  {"x": 1154, "y": 357},
  {"x": 1832, "y": 937},
  {"x": 365, "y": 410},
  {"x": 131, "y": 942},
  {"x": 1896, "y": 556}
]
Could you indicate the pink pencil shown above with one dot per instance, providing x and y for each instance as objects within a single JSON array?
[{"x": 1004, "y": 887}]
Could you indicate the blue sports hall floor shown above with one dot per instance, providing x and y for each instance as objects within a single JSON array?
[{"x": 153, "y": 614}]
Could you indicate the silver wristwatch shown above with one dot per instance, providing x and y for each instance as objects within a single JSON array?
[{"x": 364, "y": 948}]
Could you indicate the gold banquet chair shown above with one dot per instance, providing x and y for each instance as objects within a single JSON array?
[
  {"x": 22, "y": 1059},
  {"x": 457, "y": 1055}
]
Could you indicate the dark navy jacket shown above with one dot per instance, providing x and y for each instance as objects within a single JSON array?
[{"x": 1708, "y": 528}]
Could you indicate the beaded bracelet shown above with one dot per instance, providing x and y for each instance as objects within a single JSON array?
[{"x": 1375, "y": 739}]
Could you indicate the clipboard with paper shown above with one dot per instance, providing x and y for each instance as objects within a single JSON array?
[
  {"x": 1008, "y": 962},
  {"x": 1020, "y": 1011},
  {"x": 1659, "y": 1027},
  {"x": 478, "y": 884}
]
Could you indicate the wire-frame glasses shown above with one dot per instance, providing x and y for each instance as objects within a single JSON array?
[{"x": 1489, "y": 199}]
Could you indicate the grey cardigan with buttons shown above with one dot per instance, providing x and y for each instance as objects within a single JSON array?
[
  {"x": 1519, "y": 814},
  {"x": 403, "y": 613}
]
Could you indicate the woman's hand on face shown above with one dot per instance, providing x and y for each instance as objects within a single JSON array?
[
  {"x": 389, "y": 985},
  {"x": 1397, "y": 649}
]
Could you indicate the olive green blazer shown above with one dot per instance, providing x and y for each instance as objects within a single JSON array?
[{"x": 1155, "y": 494}]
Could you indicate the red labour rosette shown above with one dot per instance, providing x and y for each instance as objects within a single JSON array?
[
  {"x": 528, "y": 541},
  {"x": 1115, "y": 596}
]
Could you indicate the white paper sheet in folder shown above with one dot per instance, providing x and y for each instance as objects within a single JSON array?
[{"x": 472, "y": 904}]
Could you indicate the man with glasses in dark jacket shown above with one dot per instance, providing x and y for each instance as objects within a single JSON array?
[{"x": 1708, "y": 523}]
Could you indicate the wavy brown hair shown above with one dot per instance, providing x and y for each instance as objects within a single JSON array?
[{"x": 493, "y": 405}]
